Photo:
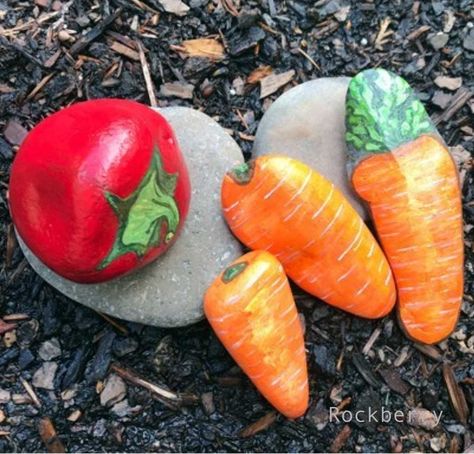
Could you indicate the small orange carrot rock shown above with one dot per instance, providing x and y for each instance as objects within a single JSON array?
[
  {"x": 251, "y": 308},
  {"x": 283, "y": 206},
  {"x": 401, "y": 167}
]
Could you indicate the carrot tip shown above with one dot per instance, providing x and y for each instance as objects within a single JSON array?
[
  {"x": 242, "y": 174},
  {"x": 233, "y": 271}
]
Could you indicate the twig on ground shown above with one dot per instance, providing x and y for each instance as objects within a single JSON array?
[
  {"x": 371, "y": 341},
  {"x": 114, "y": 323},
  {"x": 154, "y": 389},
  {"x": 146, "y": 74},
  {"x": 30, "y": 391}
]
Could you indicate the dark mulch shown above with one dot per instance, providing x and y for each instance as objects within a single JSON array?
[{"x": 393, "y": 373}]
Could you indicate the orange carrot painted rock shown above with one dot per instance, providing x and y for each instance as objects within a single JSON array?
[
  {"x": 251, "y": 308},
  {"x": 283, "y": 206},
  {"x": 402, "y": 168}
]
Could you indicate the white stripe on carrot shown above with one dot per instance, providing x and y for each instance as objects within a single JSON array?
[
  {"x": 292, "y": 212},
  {"x": 278, "y": 185},
  {"x": 309, "y": 243},
  {"x": 302, "y": 187},
  {"x": 321, "y": 208},
  {"x": 372, "y": 249},
  {"x": 353, "y": 242},
  {"x": 328, "y": 227},
  {"x": 349, "y": 271},
  {"x": 230, "y": 207},
  {"x": 361, "y": 290}
]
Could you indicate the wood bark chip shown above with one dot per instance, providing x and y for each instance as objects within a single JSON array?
[
  {"x": 11, "y": 244},
  {"x": 456, "y": 394},
  {"x": 462, "y": 96},
  {"x": 418, "y": 32},
  {"x": 364, "y": 369},
  {"x": 259, "y": 73},
  {"x": 270, "y": 84},
  {"x": 94, "y": 33},
  {"x": 258, "y": 426},
  {"x": 49, "y": 436},
  {"x": 201, "y": 47},
  {"x": 6, "y": 327},
  {"x": 125, "y": 50},
  {"x": 429, "y": 350},
  {"x": 394, "y": 381},
  {"x": 341, "y": 439}
]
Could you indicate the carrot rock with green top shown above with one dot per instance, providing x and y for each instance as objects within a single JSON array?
[
  {"x": 401, "y": 167},
  {"x": 251, "y": 308}
]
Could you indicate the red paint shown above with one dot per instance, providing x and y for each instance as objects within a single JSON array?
[{"x": 64, "y": 167}]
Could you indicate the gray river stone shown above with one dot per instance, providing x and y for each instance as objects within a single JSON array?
[
  {"x": 169, "y": 291},
  {"x": 308, "y": 123}
]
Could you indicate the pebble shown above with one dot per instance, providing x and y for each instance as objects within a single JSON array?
[
  {"x": 5, "y": 396},
  {"x": 438, "y": 40},
  {"x": 114, "y": 391},
  {"x": 450, "y": 83},
  {"x": 44, "y": 376},
  {"x": 169, "y": 291},
  {"x": 468, "y": 42},
  {"x": 50, "y": 349},
  {"x": 308, "y": 123},
  {"x": 177, "y": 89},
  {"x": 441, "y": 99},
  {"x": 175, "y": 7},
  {"x": 14, "y": 132},
  {"x": 421, "y": 417}
]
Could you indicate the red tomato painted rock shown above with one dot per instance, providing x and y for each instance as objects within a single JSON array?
[{"x": 99, "y": 189}]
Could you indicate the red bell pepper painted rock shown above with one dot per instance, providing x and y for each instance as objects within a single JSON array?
[{"x": 99, "y": 189}]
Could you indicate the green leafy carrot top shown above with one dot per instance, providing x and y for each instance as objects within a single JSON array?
[{"x": 382, "y": 113}]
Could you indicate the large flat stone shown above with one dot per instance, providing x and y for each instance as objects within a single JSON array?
[
  {"x": 169, "y": 291},
  {"x": 308, "y": 123}
]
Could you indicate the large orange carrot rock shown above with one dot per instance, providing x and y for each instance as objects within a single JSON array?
[
  {"x": 283, "y": 206},
  {"x": 402, "y": 168},
  {"x": 252, "y": 311}
]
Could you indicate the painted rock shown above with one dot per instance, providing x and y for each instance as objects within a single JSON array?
[
  {"x": 251, "y": 308},
  {"x": 307, "y": 123},
  {"x": 99, "y": 189},
  {"x": 401, "y": 167},
  {"x": 281, "y": 205},
  {"x": 169, "y": 291}
]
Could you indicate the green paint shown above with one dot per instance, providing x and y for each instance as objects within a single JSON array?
[
  {"x": 142, "y": 214},
  {"x": 233, "y": 271},
  {"x": 382, "y": 113},
  {"x": 242, "y": 173}
]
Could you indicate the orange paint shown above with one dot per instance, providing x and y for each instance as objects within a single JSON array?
[
  {"x": 415, "y": 200},
  {"x": 283, "y": 206},
  {"x": 252, "y": 311}
]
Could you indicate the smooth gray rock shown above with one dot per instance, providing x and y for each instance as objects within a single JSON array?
[
  {"x": 169, "y": 291},
  {"x": 308, "y": 123}
]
